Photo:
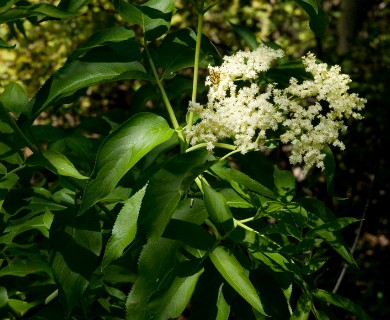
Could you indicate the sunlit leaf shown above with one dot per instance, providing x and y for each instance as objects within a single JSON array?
[
  {"x": 14, "y": 98},
  {"x": 124, "y": 229},
  {"x": 217, "y": 209},
  {"x": 223, "y": 308},
  {"x": 22, "y": 225},
  {"x": 9, "y": 153},
  {"x": 276, "y": 262},
  {"x": 222, "y": 170},
  {"x": 5, "y": 5},
  {"x": 154, "y": 16},
  {"x": 302, "y": 311},
  {"x": 76, "y": 75},
  {"x": 253, "y": 240},
  {"x": 42, "y": 9},
  {"x": 335, "y": 225},
  {"x": 62, "y": 164},
  {"x": 235, "y": 274},
  {"x": 121, "y": 151},
  {"x": 20, "y": 307},
  {"x": 234, "y": 200}
]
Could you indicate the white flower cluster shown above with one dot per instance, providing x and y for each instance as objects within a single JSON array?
[
  {"x": 241, "y": 113},
  {"x": 310, "y": 125},
  {"x": 238, "y": 108}
]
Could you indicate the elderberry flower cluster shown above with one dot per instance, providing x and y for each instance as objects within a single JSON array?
[{"x": 309, "y": 115}]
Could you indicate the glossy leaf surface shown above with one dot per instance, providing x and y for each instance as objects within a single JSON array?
[
  {"x": 121, "y": 151},
  {"x": 235, "y": 274}
]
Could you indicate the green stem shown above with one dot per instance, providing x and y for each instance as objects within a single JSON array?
[
  {"x": 217, "y": 145},
  {"x": 229, "y": 154},
  {"x": 246, "y": 220},
  {"x": 17, "y": 130},
  {"x": 196, "y": 66},
  {"x": 242, "y": 225},
  {"x": 167, "y": 103}
]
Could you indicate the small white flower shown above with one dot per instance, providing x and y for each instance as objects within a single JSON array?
[{"x": 247, "y": 112}]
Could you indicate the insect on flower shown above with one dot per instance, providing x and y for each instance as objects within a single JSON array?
[{"x": 215, "y": 76}]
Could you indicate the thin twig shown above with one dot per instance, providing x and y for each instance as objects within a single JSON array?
[{"x": 358, "y": 233}]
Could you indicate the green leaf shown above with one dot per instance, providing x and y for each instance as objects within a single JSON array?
[
  {"x": 41, "y": 9},
  {"x": 218, "y": 209},
  {"x": 297, "y": 212},
  {"x": 223, "y": 308},
  {"x": 77, "y": 75},
  {"x": 313, "y": 4},
  {"x": 246, "y": 34},
  {"x": 318, "y": 18},
  {"x": 20, "y": 307},
  {"x": 3, "y": 297},
  {"x": 318, "y": 212},
  {"x": 330, "y": 233},
  {"x": 10, "y": 153},
  {"x": 254, "y": 240},
  {"x": 284, "y": 185},
  {"x": 276, "y": 262},
  {"x": 341, "y": 302},
  {"x": 177, "y": 51},
  {"x": 42, "y": 200},
  {"x": 6, "y": 183},
  {"x": 302, "y": 311},
  {"x": 172, "y": 304},
  {"x": 191, "y": 210},
  {"x": 273, "y": 289},
  {"x": 330, "y": 227},
  {"x": 121, "y": 150},
  {"x": 76, "y": 243},
  {"x": 222, "y": 170},
  {"x": 189, "y": 233},
  {"x": 154, "y": 16},
  {"x": 157, "y": 292},
  {"x": 102, "y": 38},
  {"x": 284, "y": 228},
  {"x": 22, "y": 225},
  {"x": 124, "y": 229},
  {"x": 5, "y": 5},
  {"x": 14, "y": 98},
  {"x": 62, "y": 165},
  {"x": 235, "y": 274},
  {"x": 24, "y": 267},
  {"x": 233, "y": 199},
  {"x": 167, "y": 186},
  {"x": 72, "y": 5}
]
